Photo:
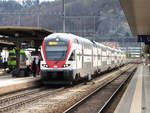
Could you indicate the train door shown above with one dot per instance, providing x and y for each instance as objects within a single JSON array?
[
  {"x": 95, "y": 60},
  {"x": 22, "y": 60},
  {"x": 109, "y": 57},
  {"x": 99, "y": 63},
  {"x": 118, "y": 56},
  {"x": 87, "y": 59},
  {"x": 112, "y": 58},
  {"x": 115, "y": 56},
  {"x": 104, "y": 56},
  {"x": 78, "y": 55}
]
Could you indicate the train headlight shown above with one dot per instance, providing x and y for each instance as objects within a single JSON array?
[
  {"x": 45, "y": 65},
  {"x": 66, "y": 65}
]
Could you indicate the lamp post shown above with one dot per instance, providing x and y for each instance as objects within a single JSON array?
[
  {"x": 19, "y": 22},
  {"x": 64, "y": 18},
  {"x": 38, "y": 20}
]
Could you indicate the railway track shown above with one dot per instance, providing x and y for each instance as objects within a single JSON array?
[
  {"x": 98, "y": 100},
  {"x": 17, "y": 100}
]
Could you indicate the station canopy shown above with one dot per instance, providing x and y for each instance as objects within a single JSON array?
[
  {"x": 138, "y": 16},
  {"x": 11, "y": 33}
]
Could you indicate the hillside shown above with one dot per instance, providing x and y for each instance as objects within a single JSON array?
[{"x": 101, "y": 18}]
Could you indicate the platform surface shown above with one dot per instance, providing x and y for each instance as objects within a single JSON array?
[
  {"x": 2, "y": 72},
  {"x": 5, "y": 81},
  {"x": 136, "y": 98},
  {"x": 10, "y": 84}
]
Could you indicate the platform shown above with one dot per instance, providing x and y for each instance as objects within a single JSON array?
[
  {"x": 9, "y": 84},
  {"x": 2, "y": 72},
  {"x": 136, "y": 98}
]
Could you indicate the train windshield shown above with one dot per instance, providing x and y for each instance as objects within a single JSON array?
[{"x": 56, "y": 53}]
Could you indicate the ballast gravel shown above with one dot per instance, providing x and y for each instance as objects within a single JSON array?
[{"x": 60, "y": 101}]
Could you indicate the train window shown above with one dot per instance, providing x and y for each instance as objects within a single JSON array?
[
  {"x": 72, "y": 57},
  {"x": 22, "y": 57},
  {"x": 56, "y": 48},
  {"x": 76, "y": 41},
  {"x": 56, "y": 52},
  {"x": 12, "y": 58}
]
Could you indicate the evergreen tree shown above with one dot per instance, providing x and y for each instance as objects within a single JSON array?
[
  {"x": 37, "y": 2},
  {"x": 27, "y": 3}
]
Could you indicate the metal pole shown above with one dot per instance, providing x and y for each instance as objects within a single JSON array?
[
  {"x": 17, "y": 70},
  {"x": 94, "y": 26},
  {"x": 19, "y": 22},
  {"x": 64, "y": 17},
  {"x": 38, "y": 20}
]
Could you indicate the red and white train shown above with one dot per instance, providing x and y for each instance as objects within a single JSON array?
[{"x": 67, "y": 58}]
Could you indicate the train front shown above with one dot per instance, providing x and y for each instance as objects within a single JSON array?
[{"x": 56, "y": 52}]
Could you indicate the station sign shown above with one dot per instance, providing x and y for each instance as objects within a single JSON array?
[{"x": 52, "y": 43}]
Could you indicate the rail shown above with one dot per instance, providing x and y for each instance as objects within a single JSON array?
[{"x": 76, "y": 106}]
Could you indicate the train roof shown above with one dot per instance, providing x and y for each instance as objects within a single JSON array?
[
  {"x": 68, "y": 36},
  {"x": 99, "y": 44}
]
